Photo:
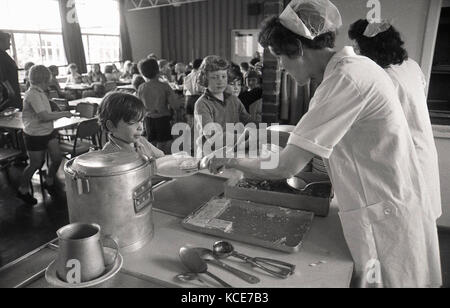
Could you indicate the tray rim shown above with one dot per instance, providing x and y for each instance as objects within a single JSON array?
[{"x": 248, "y": 239}]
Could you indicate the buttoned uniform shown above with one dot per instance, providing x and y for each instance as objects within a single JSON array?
[
  {"x": 357, "y": 125},
  {"x": 410, "y": 85},
  {"x": 210, "y": 109}
]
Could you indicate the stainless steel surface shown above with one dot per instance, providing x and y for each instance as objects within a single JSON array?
[
  {"x": 80, "y": 243},
  {"x": 195, "y": 264},
  {"x": 121, "y": 203},
  {"x": 208, "y": 256},
  {"x": 301, "y": 185},
  {"x": 277, "y": 268},
  {"x": 107, "y": 164}
]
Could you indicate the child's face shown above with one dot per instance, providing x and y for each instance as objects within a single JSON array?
[
  {"x": 74, "y": 70},
  {"x": 253, "y": 83},
  {"x": 235, "y": 87},
  {"x": 128, "y": 132},
  {"x": 217, "y": 81}
]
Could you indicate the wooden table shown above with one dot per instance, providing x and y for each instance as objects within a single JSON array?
[
  {"x": 91, "y": 100},
  {"x": 15, "y": 122}
]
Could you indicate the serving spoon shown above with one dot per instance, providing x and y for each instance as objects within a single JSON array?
[{"x": 195, "y": 264}]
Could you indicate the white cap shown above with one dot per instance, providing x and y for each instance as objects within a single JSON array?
[{"x": 311, "y": 18}]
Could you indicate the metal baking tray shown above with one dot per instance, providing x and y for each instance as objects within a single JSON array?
[{"x": 263, "y": 225}]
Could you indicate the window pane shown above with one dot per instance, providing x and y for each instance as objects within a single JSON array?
[
  {"x": 52, "y": 50},
  {"x": 102, "y": 49},
  {"x": 99, "y": 16},
  {"x": 21, "y": 15},
  {"x": 46, "y": 49},
  {"x": 28, "y": 48}
]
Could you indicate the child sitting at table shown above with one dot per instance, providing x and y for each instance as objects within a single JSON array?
[
  {"x": 122, "y": 116},
  {"x": 73, "y": 76},
  {"x": 216, "y": 105},
  {"x": 39, "y": 135},
  {"x": 127, "y": 71},
  {"x": 54, "y": 83},
  {"x": 98, "y": 79},
  {"x": 110, "y": 75},
  {"x": 160, "y": 102}
]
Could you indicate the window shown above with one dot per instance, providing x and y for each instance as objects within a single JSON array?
[
  {"x": 35, "y": 37},
  {"x": 99, "y": 21}
]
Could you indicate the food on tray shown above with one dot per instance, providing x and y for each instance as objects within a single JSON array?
[
  {"x": 321, "y": 191},
  {"x": 189, "y": 165}
]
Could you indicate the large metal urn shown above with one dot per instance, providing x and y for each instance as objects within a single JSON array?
[{"x": 114, "y": 191}]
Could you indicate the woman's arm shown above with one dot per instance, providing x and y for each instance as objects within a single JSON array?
[{"x": 287, "y": 164}]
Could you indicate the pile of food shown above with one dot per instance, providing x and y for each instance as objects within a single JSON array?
[{"x": 319, "y": 190}]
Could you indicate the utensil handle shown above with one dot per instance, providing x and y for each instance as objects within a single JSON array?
[
  {"x": 243, "y": 275},
  {"x": 223, "y": 283},
  {"x": 117, "y": 248},
  {"x": 284, "y": 267},
  {"x": 281, "y": 272}
]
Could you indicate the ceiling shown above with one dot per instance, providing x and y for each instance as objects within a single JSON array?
[{"x": 136, "y": 5}]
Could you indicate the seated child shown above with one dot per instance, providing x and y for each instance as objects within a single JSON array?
[
  {"x": 122, "y": 116},
  {"x": 216, "y": 105},
  {"x": 54, "y": 83},
  {"x": 74, "y": 77},
  {"x": 127, "y": 71},
  {"x": 111, "y": 74},
  {"x": 98, "y": 79}
]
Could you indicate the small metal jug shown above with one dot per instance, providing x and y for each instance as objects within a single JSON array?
[{"x": 81, "y": 258}]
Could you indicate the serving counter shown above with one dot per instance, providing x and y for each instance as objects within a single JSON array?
[{"x": 323, "y": 261}]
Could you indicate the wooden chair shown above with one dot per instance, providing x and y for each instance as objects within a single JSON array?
[{"x": 89, "y": 131}]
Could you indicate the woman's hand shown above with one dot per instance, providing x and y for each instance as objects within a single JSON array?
[{"x": 217, "y": 165}]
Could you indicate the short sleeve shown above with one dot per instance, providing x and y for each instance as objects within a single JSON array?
[
  {"x": 38, "y": 103},
  {"x": 334, "y": 109}
]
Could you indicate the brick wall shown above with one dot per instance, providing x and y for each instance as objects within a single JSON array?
[{"x": 271, "y": 72}]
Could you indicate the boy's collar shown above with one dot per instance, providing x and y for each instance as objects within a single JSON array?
[
  {"x": 37, "y": 88},
  {"x": 210, "y": 96}
]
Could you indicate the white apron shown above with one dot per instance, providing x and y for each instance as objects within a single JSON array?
[
  {"x": 410, "y": 85},
  {"x": 357, "y": 124}
]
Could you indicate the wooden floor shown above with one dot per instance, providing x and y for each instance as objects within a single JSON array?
[{"x": 23, "y": 230}]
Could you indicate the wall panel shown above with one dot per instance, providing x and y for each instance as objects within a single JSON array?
[{"x": 204, "y": 28}]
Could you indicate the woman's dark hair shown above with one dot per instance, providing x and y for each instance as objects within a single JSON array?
[
  {"x": 197, "y": 63},
  {"x": 234, "y": 73},
  {"x": 285, "y": 42},
  {"x": 385, "y": 49},
  {"x": 118, "y": 106},
  {"x": 149, "y": 68}
]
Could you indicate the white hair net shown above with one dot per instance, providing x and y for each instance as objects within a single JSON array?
[{"x": 311, "y": 18}]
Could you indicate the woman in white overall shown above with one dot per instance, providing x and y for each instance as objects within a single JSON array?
[
  {"x": 356, "y": 123},
  {"x": 382, "y": 43}
]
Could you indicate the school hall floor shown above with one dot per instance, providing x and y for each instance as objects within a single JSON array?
[{"x": 23, "y": 229}]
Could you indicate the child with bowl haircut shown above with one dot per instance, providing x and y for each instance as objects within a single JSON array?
[
  {"x": 216, "y": 105},
  {"x": 122, "y": 116},
  {"x": 160, "y": 102}
]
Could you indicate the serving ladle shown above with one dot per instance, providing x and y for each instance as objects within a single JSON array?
[
  {"x": 195, "y": 264},
  {"x": 276, "y": 268}
]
